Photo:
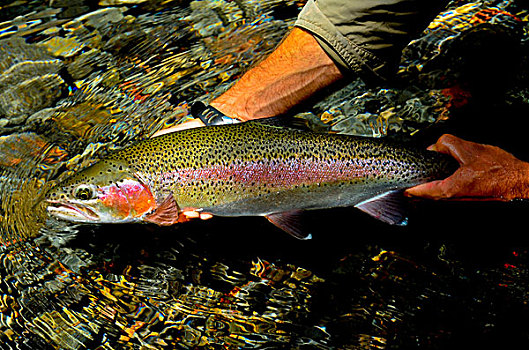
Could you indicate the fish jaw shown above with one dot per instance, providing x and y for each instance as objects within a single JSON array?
[
  {"x": 83, "y": 213},
  {"x": 115, "y": 195},
  {"x": 75, "y": 212}
]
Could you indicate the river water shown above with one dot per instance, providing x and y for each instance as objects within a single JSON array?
[{"x": 81, "y": 79}]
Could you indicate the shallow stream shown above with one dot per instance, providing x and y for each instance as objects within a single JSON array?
[{"x": 80, "y": 79}]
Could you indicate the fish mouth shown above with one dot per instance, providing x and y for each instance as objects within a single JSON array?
[{"x": 71, "y": 211}]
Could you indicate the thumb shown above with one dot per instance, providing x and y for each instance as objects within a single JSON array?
[
  {"x": 429, "y": 190},
  {"x": 463, "y": 151}
]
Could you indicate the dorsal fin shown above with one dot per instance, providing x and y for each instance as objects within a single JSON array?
[
  {"x": 290, "y": 222},
  {"x": 388, "y": 207},
  {"x": 166, "y": 213}
]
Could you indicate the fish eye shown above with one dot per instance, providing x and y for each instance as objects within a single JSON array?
[{"x": 84, "y": 192}]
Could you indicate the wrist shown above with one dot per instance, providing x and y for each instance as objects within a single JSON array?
[
  {"x": 209, "y": 115},
  {"x": 232, "y": 107}
]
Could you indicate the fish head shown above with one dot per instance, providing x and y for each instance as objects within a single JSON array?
[{"x": 106, "y": 192}]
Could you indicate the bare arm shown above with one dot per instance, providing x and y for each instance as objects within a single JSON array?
[{"x": 296, "y": 70}]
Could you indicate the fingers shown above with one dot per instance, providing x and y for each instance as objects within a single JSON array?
[
  {"x": 486, "y": 173},
  {"x": 194, "y": 214},
  {"x": 205, "y": 216},
  {"x": 191, "y": 214},
  {"x": 463, "y": 151},
  {"x": 449, "y": 144},
  {"x": 193, "y": 123},
  {"x": 429, "y": 190},
  {"x": 439, "y": 189}
]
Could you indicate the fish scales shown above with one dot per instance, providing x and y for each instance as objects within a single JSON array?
[
  {"x": 246, "y": 169},
  {"x": 221, "y": 168}
]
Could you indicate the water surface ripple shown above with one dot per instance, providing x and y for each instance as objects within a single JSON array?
[{"x": 79, "y": 80}]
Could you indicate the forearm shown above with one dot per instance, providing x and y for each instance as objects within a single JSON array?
[
  {"x": 296, "y": 70},
  {"x": 364, "y": 38}
]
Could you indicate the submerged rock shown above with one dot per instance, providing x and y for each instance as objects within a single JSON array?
[
  {"x": 29, "y": 80},
  {"x": 470, "y": 51},
  {"x": 79, "y": 79}
]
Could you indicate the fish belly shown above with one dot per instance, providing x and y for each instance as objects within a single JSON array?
[{"x": 319, "y": 197}]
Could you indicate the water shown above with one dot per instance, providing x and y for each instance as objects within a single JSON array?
[{"x": 81, "y": 79}]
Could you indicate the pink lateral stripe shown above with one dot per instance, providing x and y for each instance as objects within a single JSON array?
[{"x": 282, "y": 173}]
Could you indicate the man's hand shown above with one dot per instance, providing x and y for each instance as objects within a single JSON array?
[
  {"x": 485, "y": 173},
  {"x": 189, "y": 124},
  {"x": 190, "y": 214},
  {"x": 203, "y": 116}
]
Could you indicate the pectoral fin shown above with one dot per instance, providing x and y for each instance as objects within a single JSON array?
[
  {"x": 290, "y": 222},
  {"x": 165, "y": 214},
  {"x": 389, "y": 207}
]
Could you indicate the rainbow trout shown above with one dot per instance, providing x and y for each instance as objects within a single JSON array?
[{"x": 246, "y": 169}]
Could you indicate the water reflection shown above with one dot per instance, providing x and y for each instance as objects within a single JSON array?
[{"x": 80, "y": 80}]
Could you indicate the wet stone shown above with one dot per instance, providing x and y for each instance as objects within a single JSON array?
[
  {"x": 84, "y": 64},
  {"x": 15, "y": 50},
  {"x": 62, "y": 47},
  {"x": 29, "y": 80},
  {"x": 31, "y": 95},
  {"x": 79, "y": 80},
  {"x": 102, "y": 17}
]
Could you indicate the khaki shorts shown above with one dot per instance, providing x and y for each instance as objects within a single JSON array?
[{"x": 366, "y": 37}]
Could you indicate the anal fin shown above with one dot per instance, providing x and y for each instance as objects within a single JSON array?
[
  {"x": 290, "y": 222},
  {"x": 166, "y": 214},
  {"x": 389, "y": 207}
]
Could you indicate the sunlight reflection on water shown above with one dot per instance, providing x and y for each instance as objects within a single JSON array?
[{"x": 79, "y": 81}]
